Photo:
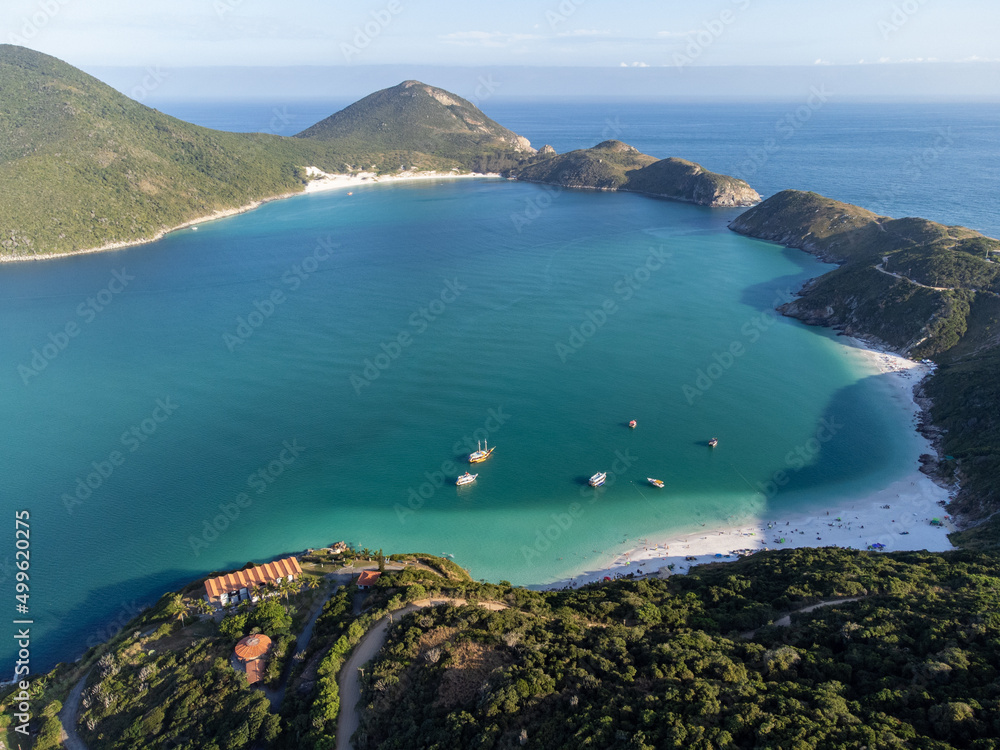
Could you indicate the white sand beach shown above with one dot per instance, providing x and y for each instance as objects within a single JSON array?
[
  {"x": 897, "y": 517},
  {"x": 321, "y": 181}
]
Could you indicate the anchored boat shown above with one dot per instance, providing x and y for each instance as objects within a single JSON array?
[
  {"x": 655, "y": 482},
  {"x": 466, "y": 478},
  {"x": 713, "y": 442},
  {"x": 480, "y": 455},
  {"x": 598, "y": 479}
]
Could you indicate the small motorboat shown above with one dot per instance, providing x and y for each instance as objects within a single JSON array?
[
  {"x": 632, "y": 424},
  {"x": 466, "y": 478},
  {"x": 713, "y": 442},
  {"x": 598, "y": 479},
  {"x": 655, "y": 482}
]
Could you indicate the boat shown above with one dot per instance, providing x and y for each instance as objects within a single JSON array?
[
  {"x": 466, "y": 478},
  {"x": 598, "y": 479},
  {"x": 713, "y": 442},
  {"x": 655, "y": 482},
  {"x": 480, "y": 454},
  {"x": 632, "y": 424}
]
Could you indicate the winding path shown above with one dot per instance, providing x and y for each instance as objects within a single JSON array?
[
  {"x": 786, "y": 621},
  {"x": 70, "y": 714},
  {"x": 935, "y": 288},
  {"x": 349, "y": 681}
]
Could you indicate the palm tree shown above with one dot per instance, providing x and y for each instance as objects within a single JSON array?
[
  {"x": 310, "y": 582},
  {"x": 288, "y": 586},
  {"x": 177, "y": 608},
  {"x": 202, "y": 607}
]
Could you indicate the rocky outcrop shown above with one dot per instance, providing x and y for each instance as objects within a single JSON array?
[
  {"x": 679, "y": 179},
  {"x": 614, "y": 165}
]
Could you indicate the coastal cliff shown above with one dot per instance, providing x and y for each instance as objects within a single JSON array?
[
  {"x": 433, "y": 658},
  {"x": 614, "y": 165},
  {"x": 923, "y": 289}
]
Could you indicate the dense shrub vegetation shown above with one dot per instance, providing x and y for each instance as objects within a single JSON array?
[
  {"x": 943, "y": 303},
  {"x": 691, "y": 661}
]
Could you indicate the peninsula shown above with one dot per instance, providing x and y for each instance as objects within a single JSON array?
[
  {"x": 87, "y": 168},
  {"x": 924, "y": 290}
]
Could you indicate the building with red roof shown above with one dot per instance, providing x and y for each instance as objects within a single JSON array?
[
  {"x": 234, "y": 587},
  {"x": 251, "y": 652},
  {"x": 368, "y": 578}
]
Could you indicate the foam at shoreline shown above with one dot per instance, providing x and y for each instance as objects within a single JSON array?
[{"x": 898, "y": 516}]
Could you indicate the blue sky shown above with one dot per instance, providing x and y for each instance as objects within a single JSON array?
[{"x": 514, "y": 32}]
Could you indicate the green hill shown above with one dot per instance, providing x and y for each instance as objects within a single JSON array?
[
  {"x": 613, "y": 165},
  {"x": 83, "y": 166},
  {"x": 414, "y": 118},
  {"x": 903, "y": 652},
  {"x": 926, "y": 290}
]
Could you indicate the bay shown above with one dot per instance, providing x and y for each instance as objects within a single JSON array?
[{"x": 385, "y": 332}]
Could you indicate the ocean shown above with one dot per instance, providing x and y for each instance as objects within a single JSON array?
[{"x": 317, "y": 370}]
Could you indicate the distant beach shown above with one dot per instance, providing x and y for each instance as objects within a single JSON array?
[
  {"x": 898, "y": 517},
  {"x": 322, "y": 181}
]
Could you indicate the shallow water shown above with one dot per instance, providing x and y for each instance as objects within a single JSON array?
[{"x": 317, "y": 370}]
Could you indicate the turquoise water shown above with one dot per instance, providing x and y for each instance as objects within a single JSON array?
[{"x": 316, "y": 368}]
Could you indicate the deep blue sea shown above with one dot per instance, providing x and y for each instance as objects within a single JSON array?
[{"x": 317, "y": 369}]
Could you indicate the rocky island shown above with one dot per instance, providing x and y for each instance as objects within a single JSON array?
[{"x": 613, "y": 165}]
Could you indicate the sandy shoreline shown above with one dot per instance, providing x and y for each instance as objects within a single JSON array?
[
  {"x": 321, "y": 182},
  {"x": 897, "y": 516}
]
